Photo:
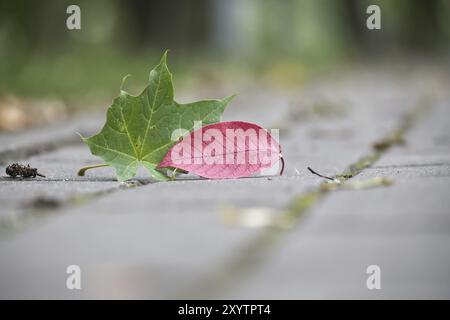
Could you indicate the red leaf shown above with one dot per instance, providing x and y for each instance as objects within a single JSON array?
[{"x": 224, "y": 150}]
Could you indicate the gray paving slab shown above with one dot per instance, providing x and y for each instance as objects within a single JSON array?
[
  {"x": 334, "y": 267},
  {"x": 60, "y": 184}
]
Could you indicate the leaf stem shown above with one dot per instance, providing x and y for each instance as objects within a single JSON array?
[
  {"x": 83, "y": 170},
  {"x": 319, "y": 175},
  {"x": 282, "y": 165}
]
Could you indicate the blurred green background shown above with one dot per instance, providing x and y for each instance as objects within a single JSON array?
[{"x": 282, "y": 42}]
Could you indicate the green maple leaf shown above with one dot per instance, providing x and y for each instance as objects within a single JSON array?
[{"x": 138, "y": 129}]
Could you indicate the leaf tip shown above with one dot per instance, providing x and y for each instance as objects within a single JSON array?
[
  {"x": 123, "y": 82},
  {"x": 164, "y": 56},
  {"x": 229, "y": 98},
  {"x": 81, "y": 136}
]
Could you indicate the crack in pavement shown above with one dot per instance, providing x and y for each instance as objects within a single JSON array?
[{"x": 420, "y": 165}]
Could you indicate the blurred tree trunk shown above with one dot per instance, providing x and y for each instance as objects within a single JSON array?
[
  {"x": 414, "y": 26},
  {"x": 422, "y": 20},
  {"x": 168, "y": 24}
]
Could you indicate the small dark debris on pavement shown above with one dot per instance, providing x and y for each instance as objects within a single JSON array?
[
  {"x": 18, "y": 170},
  {"x": 319, "y": 175},
  {"x": 42, "y": 202}
]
